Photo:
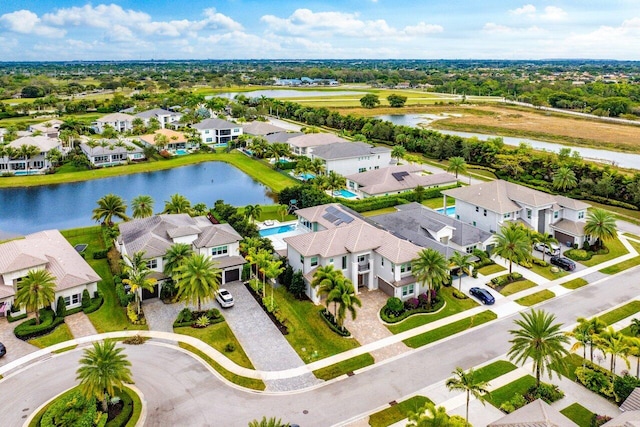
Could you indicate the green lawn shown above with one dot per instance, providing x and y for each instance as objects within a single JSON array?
[
  {"x": 341, "y": 368},
  {"x": 59, "y": 334},
  {"x": 110, "y": 317},
  {"x": 493, "y": 370},
  {"x": 578, "y": 414},
  {"x": 533, "y": 299},
  {"x": 547, "y": 273},
  {"x": 616, "y": 249},
  {"x": 398, "y": 412},
  {"x": 218, "y": 336},
  {"x": 572, "y": 361},
  {"x": 504, "y": 394},
  {"x": 620, "y": 313},
  {"x": 270, "y": 212},
  {"x": 575, "y": 283},
  {"x": 450, "y": 329},
  {"x": 379, "y": 211},
  {"x": 452, "y": 305},
  {"x": 436, "y": 202},
  {"x": 515, "y": 287},
  {"x": 491, "y": 269},
  {"x": 309, "y": 335},
  {"x": 624, "y": 265}
]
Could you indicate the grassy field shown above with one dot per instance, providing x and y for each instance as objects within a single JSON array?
[
  {"x": 620, "y": 313},
  {"x": 450, "y": 329},
  {"x": 503, "y": 394},
  {"x": 578, "y": 414},
  {"x": 487, "y": 270},
  {"x": 59, "y": 334},
  {"x": 493, "y": 370},
  {"x": 341, "y": 368},
  {"x": 546, "y": 272},
  {"x": 536, "y": 298},
  {"x": 218, "y": 336},
  {"x": 398, "y": 412},
  {"x": 515, "y": 287},
  {"x": 624, "y": 265},
  {"x": 575, "y": 283},
  {"x": 453, "y": 305},
  {"x": 24, "y": 122},
  {"x": 616, "y": 249}
]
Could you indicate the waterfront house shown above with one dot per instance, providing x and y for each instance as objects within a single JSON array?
[
  {"x": 164, "y": 117},
  {"x": 395, "y": 180},
  {"x": 217, "y": 131},
  {"x": 38, "y": 163},
  {"x": 120, "y": 122},
  {"x": 348, "y": 158},
  {"x": 111, "y": 152},
  {"x": 167, "y": 139}
]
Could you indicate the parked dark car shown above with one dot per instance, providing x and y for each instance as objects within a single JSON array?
[
  {"x": 3, "y": 350},
  {"x": 562, "y": 262},
  {"x": 483, "y": 295}
]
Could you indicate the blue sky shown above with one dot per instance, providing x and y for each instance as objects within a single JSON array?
[{"x": 282, "y": 29}]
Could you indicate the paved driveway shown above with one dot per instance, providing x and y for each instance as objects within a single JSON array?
[{"x": 16, "y": 348}]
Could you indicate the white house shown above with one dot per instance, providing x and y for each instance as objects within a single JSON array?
[
  {"x": 120, "y": 122},
  {"x": 39, "y": 163},
  {"x": 50, "y": 128},
  {"x": 45, "y": 250},
  {"x": 261, "y": 128},
  {"x": 164, "y": 117},
  {"x": 301, "y": 145},
  {"x": 110, "y": 152},
  {"x": 348, "y": 158},
  {"x": 156, "y": 234},
  {"x": 491, "y": 204},
  {"x": 395, "y": 180},
  {"x": 217, "y": 131}
]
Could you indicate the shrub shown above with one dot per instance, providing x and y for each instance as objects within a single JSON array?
[
  {"x": 395, "y": 305},
  {"x": 389, "y": 317},
  {"x": 412, "y": 303},
  {"x": 29, "y": 329},
  {"x": 11, "y": 318},
  {"x": 298, "y": 287},
  {"x": 287, "y": 277},
  {"x": 122, "y": 295},
  {"x": 86, "y": 299},
  {"x": 246, "y": 272},
  {"x": 547, "y": 392},
  {"x": 101, "y": 254},
  {"x": 525, "y": 263},
  {"x": 578, "y": 254},
  {"x": 516, "y": 402},
  {"x": 168, "y": 291},
  {"x": 331, "y": 321},
  {"x": 598, "y": 420},
  {"x": 270, "y": 304},
  {"x": 185, "y": 315},
  {"x": 61, "y": 307},
  {"x": 95, "y": 304},
  {"x": 623, "y": 386},
  {"x": 134, "y": 317},
  {"x": 229, "y": 348},
  {"x": 134, "y": 340},
  {"x": 70, "y": 410},
  {"x": 538, "y": 261},
  {"x": 214, "y": 314},
  {"x": 459, "y": 295},
  {"x": 202, "y": 322},
  {"x": 595, "y": 380}
]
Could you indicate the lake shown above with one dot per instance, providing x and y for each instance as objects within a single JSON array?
[
  {"x": 625, "y": 160},
  {"x": 63, "y": 206},
  {"x": 286, "y": 93}
]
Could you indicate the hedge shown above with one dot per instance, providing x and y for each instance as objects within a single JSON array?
[
  {"x": 95, "y": 304},
  {"x": 330, "y": 320},
  {"x": 375, "y": 203},
  {"x": 101, "y": 254},
  {"x": 11, "y": 318},
  {"x": 578, "y": 254},
  {"x": 186, "y": 317},
  {"x": 48, "y": 322},
  {"x": 506, "y": 279},
  {"x": 124, "y": 416},
  {"x": 385, "y": 315}
]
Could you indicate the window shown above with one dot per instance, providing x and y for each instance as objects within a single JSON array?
[
  {"x": 529, "y": 213},
  {"x": 377, "y": 167},
  {"x": 507, "y": 215},
  {"x": 301, "y": 259},
  {"x": 556, "y": 214},
  {"x": 485, "y": 212},
  {"x": 382, "y": 261},
  {"x": 152, "y": 263},
  {"x": 314, "y": 261},
  {"x": 344, "y": 262},
  {"x": 306, "y": 223},
  {"x": 405, "y": 268},
  {"x": 474, "y": 223},
  {"x": 470, "y": 249},
  {"x": 581, "y": 215},
  {"x": 407, "y": 290},
  {"x": 477, "y": 209},
  {"x": 219, "y": 250},
  {"x": 360, "y": 170},
  {"x": 72, "y": 300}
]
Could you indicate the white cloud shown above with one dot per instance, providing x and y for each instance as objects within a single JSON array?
[
  {"x": 27, "y": 22},
  {"x": 423, "y": 29},
  {"x": 527, "y": 9},
  {"x": 493, "y": 28},
  {"x": 553, "y": 13}
]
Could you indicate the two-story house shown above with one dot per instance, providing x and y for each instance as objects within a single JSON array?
[
  {"x": 168, "y": 139},
  {"x": 490, "y": 205},
  {"x": 348, "y": 158},
  {"x": 50, "y": 128},
  {"x": 395, "y": 180},
  {"x": 164, "y": 117},
  {"x": 45, "y": 250},
  {"x": 156, "y": 234},
  {"x": 120, "y": 122},
  {"x": 217, "y": 131},
  {"x": 302, "y": 145},
  {"x": 111, "y": 152},
  {"x": 40, "y": 162}
]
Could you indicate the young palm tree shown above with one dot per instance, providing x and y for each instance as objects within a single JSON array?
[
  {"x": 465, "y": 381},
  {"x": 634, "y": 350},
  {"x": 142, "y": 206},
  {"x": 600, "y": 224},
  {"x": 35, "y": 291},
  {"x": 110, "y": 206},
  {"x": 564, "y": 179},
  {"x": 174, "y": 257},
  {"x": 398, "y": 152},
  {"x": 303, "y": 165},
  {"x": 614, "y": 343},
  {"x": 198, "y": 279},
  {"x": 595, "y": 328},
  {"x": 512, "y": 244},
  {"x": 252, "y": 212},
  {"x": 545, "y": 240},
  {"x": 282, "y": 211},
  {"x": 103, "y": 369},
  {"x": 138, "y": 272},
  {"x": 271, "y": 271},
  {"x": 431, "y": 269},
  {"x": 268, "y": 422},
  {"x": 457, "y": 165},
  {"x": 325, "y": 279},
  {"x": 634, "y": 327},
  {"x": 344, "y": 297},
  {"x": 335, "y": 181},
  {"x": 318, "y": 166},
  {"x": 463, "y": 262},
  {"x": 429, "y": 416},
  {"x": 177, "y": 204},
  {"x": 582, "y": 334},
  {"x": 540, "y": 340},
  {"x": 262, "y": 259}
]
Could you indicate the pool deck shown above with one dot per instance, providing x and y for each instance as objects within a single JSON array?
[{"x": 277, "y": 240}]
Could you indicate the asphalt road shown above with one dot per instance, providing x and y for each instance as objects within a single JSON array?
[{"x": 180, "y": 391}]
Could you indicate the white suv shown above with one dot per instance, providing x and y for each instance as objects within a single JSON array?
[
  {"x": 224, "y": 298},
  {"x": 552, "y": 249}
]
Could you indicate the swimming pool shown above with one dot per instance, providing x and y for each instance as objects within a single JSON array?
[
  {"x": 451, "y": 211},
  {"x": 306, "y": 176},
  {"x": 181, "y": 152},
  {"x": 344, "y": 193},
  {"x": 277, "y": 230}
]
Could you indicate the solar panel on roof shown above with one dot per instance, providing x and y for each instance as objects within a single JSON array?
[
  {"x": 329, "y": 217},
  {"x": 399, "y": 176}
]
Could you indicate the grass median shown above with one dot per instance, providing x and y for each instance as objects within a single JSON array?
[
  {"x": 450, "y": 329},
  {"x": 344, "y": 367},
  {"x": 504, "y": 394},
  {"x": 536, "y": 298},
  {"x": 493, "y": 370},
  {"x": 398, "y": 412},
  {"x": 620, "y": 313}
]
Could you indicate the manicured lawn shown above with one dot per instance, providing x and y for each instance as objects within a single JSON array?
[
  {"x": 620, "y": 313},
  {"x": 59, "y": 334},
  {"x": 624, "y": 265},
  {"x": 270, "y": 212},
  {"x": 616, "y": 249},
  {"x": 575, "y": 283},
  {"x": 493, "y": 370},
  {"x": 503, "y": 394},
  {"x": 578, "y": 414},
  {"x": 309, "y": 335},
  {"x": 241, "y": 381},
  {"x": 450, "y": 329},
  {"x": 379, "y": 211},
  {"x": 453, "y": 305},
  {"x": 491, "y": 269},
  {"x": 572, "y": 361},
  {"x": 341, "y": 368},
  {"x": 436, "y": 202},
  {"x": 398, "y": 412},
  {"x": 547, "y": 273},
  {"x": 533, "y": 299},
  {"x": 218, "y": 336},
  {"x": 515, "y": 287}
]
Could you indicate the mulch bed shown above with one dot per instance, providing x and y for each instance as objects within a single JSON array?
[{"x": 282, "y": 328}]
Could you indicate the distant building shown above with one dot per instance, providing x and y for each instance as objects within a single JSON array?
[
  {"x": 50, "y": 128},
  {"x": 164, "y": 117},
  {"x": 39, "y": 163},
  {"x": 111, "y": 152},
  {"x": 120, "y": 122}
]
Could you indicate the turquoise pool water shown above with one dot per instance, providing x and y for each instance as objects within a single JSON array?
[
  {"x": 181, "y": 152},
  {"x": 345, "y": 193},
  {"x": 307, "y": 176},
  {"x": 277, "y": 230},
  {"x": 451, "y": 211}
]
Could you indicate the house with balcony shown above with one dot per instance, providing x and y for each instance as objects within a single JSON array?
[
  {"x": 395, "y": 180},
  {"x": 111, "y": 152},
  {"x": 164, "y": 117},
  {"x": 490, "y": 205},
  {"x": 217, "y": 131},
  {"x": 46, "y": 250},
  {"x": 38, "y": 163},
  {"x": 120, "y": 122},
  {"x": 348, "y": 158},
  {"x": 156, "y": 234}
]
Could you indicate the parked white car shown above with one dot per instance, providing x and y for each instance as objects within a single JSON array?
[
  {"x": 224, "y": 298},
  {"x": 552, "y": 249}
]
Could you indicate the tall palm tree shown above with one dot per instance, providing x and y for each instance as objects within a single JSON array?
[
  {"x": 545, "y": 240},
  {"x": 540, "y": 340},
  {"x": 35, "y": 291},
  {"x": 600, "y": 224},
  {"x": 198, "y": 279},
  {"x": 564, "y": 179},
  {"x": 457, "y": 165},
  {"x": 344, "y": 297},
  {"x": 271, "y": 271},
  {"x": 398, "y": 152},
  {"x": 431, "y": 269},
  {"x": 138, "y": 272},
  {"x": 262, "y": 259},
  {"x": 512, "y": 244},
  {"x": 174, "y": 257},
  {"x": 593, "y": 328},
  {"x": 614, "y": 343},
  {"x": 463, "y": 262},
  {"x": 634, "y": 350},
  {"x": 466, "y": 381},
  {"x": 582, "y": 334},
  {"x": 28, "y": 151},
  {"x": 318, "y": 166},
  {"x": 110, "y": 206},
  {"x": 177, "y": 204},
  {"x": 142, "y": 206},
  {"x": 325, "y": 279},
  {"x": 282, "y": 210},
  {"x": 103, "y": 369},
  {"x": 335, "y": 181}
]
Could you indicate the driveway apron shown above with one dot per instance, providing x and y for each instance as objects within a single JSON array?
[
  {"x": 80, "y": 325},
  {"x": 16, "y": 348}
]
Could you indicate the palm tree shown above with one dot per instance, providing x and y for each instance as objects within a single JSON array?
[
  {"x": 251, "y": 212},
  {"x": 303, "y": 166},
  {"x": 103, "y": 369},
  {"x": 198, "y": 279},
  {"x": 174, "y": 257},
  {"x": 271, "y": 271},
  {"x": 582, "y": 334},
  {"x": 325, "y": 279},
  {"x": 268, "y": 422},
  {"x": 614, "y": 343},
  {"x": 177, "y": 204},
  {"x": 540, "y": 340},
  {"x": 344, "y": 297},
  {"x": 429, "y": 416},
  {"x": 564, "y": 179},
  {"x": 634, "y": 350},
  {"x": 545, "y": 240},
  {"x": 465, "y": 381},
  {"x": 262, "y": 260},
  {"x": 142, "y": 206},
  {"x": 512, "y": 244},
  {"x": 318, "y": 166},
  {"x": 110, "y": 206},
  {"x": 593, "y": 328},
  {"x": 634, "y": 327},
  {"x": 335, "y": 181},
  {"x": 398, "y": 152},
  {"x": 463, "y": 262},
  {"x": 282, "y": 210},
  {"x": 457, "y": 165},
  {"x": 431, "y": 269},
  {"x": 28, "y": 151},
  {"x": 35, "y": 291},
  {"x": 138, "y": 272},
  {"x": 600, "y": 224}
]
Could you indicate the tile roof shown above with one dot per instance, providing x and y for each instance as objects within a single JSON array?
[
  {"x": 214, "y": 124},
  {"x": 261, "y": 128},
  {"x": 281, "y": 136},
  {"x": 314, "y": 140},
  {"x": 43, "y": 142},
  {"x": 626, "y": 419},
  {"x": 397, "y": 178},
  {"x": 345, "y": 150},
  {"x": 112, "y": 148},
  {"x": 116, "y": 117},
  {"x": 170, "y": 134},
  {"x": 574, "y": 204},
  {"x": 571, "y": 227},
  {"x": 154, "y": 113},
  {"x": 535, "y": 414}
]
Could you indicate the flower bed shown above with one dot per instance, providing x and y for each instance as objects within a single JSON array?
[
  {"x": 393, "y": 313},
  {"x": 186, "y": 317},
  {"x": 272, "y": 315},
  {"x": 331, "y": 321},
  {"x": 500, "y": 282}
]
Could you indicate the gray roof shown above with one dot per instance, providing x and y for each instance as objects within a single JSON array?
[
  {"x": 535, "y": 414},
  {"x": 572, "y": 228},
  {"x": 346, "y": 150},
  {"x": 626, "y": 419},
  {"x": 112, "y": 148},
  {"x": 214, "y": 124},
  {"x": 260, "y": 128},
  {"x": 397, "y": 178},
  {"x": 574, "y": 204},
  {"x": 155, "y": 112},
  {"x": 281, "y": 136},
  {"x": 314, "y": 140},
  {"x": 632, "y": 402}
]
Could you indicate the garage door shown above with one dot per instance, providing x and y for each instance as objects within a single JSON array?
[
  {"x": 385, "y": 287},
  {"x": 563, "y": 238},
  {"x": 150, "y": 294},
  {"x": 232, "y": 275}
]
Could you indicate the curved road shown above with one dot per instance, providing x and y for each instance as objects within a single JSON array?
[{"x": 180, "y": 391}]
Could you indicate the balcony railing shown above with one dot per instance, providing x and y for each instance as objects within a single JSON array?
[{"x": 364, "y": 266}]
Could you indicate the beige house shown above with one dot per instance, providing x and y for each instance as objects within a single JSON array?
[
  {"x": 173, "y": 140},
  {"x": 395, "y": 180},
  {"x": 120, "y": 122}
]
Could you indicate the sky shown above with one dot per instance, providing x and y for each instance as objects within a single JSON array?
[{"x": 54, "y": 30}]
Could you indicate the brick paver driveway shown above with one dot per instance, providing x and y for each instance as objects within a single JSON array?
[
  {"x": 80, "y": 325},
  {"x": 16, "y": 348}
]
